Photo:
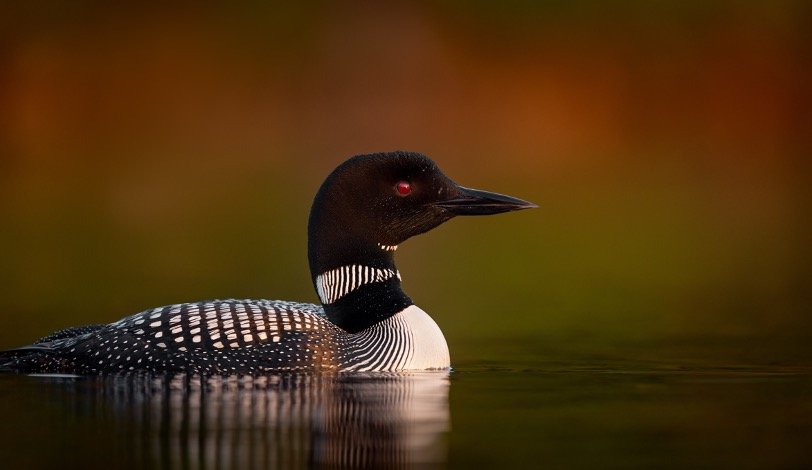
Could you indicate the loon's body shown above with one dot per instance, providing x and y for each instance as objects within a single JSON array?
[
  {"x": 241, "y": 337},
  {"x": 364, "y": 209}
]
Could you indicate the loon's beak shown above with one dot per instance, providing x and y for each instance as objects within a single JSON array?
[{"x": 475, "y": 202}]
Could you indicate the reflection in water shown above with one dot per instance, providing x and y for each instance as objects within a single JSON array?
[{"x": 278, "y": 421}]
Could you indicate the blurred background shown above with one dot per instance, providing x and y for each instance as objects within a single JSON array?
[{"x": 152, "y": 155}]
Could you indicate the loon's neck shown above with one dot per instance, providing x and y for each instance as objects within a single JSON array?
[{"x": 360, "y": 291}]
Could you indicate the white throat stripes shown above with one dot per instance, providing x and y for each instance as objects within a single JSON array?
[{"x": 336, "y": 283}]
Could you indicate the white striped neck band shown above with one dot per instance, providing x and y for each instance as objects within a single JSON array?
[
  {"x": 336, "y": 283},
  {"x": 387, "y": 247}
]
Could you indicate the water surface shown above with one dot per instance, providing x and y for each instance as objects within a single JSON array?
[{"x": 584, "y": 413}]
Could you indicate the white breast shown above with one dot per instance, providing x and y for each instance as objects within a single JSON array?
[
  {"x": 429, "y": 349},
  {"x": 408, "y": 340}
]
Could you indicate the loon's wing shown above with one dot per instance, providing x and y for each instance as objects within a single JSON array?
[
  {"x": 218, "y": 336},
  {"x": 72, "y": 332}
]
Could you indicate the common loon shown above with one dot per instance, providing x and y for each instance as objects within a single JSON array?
[{"x": 364, "y": 209}]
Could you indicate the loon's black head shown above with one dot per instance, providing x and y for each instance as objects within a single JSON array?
[{"x": 372, "y": 203}]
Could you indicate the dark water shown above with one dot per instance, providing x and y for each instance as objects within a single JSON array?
[{"x": 498, "y": 415}]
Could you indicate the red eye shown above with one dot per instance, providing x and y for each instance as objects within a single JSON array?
[{"x": 404, "y": 188}]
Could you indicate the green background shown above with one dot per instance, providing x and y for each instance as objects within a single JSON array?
[{"x": 158, "y": 155}]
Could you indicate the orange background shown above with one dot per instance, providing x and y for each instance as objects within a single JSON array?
[{"x": 155, "y": 155}]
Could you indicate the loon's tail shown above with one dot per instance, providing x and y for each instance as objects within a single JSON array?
[
  {"x": 11, "y": 360},
  {"x": 28, "y": 358}
]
